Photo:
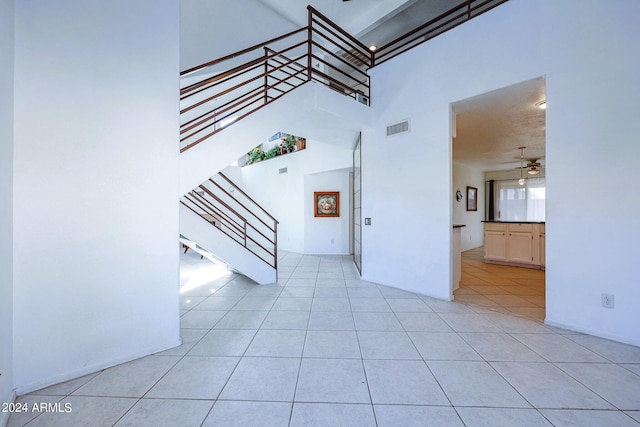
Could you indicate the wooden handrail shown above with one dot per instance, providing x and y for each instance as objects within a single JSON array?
[
  {"x": 227, "y": 210},
  {"x": 241, "y": 204},
  {"x": 408, "y": 38},
  {"x": 325, "y": 42},
  {"x": 248, "y": 197},
  {"x": 337, "y": 27},
  {"x": 333, "y": 55},
  {"x": 235, "y": 91},
  {"x": 242, "y": 52},
  {"x": 213, "y": 209},
  {"x": 234, "y": 72},
  {"x": 366, "y": 52}
]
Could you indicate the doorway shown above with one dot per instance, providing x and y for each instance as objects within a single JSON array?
[{"x": 498, "y": 147}]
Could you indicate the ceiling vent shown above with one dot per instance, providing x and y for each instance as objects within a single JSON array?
[
  {"x": 398, "y": 128},
  {"x": 282, "y": 170}
]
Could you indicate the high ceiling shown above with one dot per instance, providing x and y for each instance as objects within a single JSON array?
[
  {"x": 489, "y": 127},
  {"x": 371, "y": 21}
]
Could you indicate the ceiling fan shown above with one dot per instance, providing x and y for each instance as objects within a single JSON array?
[{"x": 534, "y": 167}]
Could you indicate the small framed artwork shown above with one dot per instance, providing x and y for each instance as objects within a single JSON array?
[
  {"x": 326, "y": 204},
  {"x": 472, "y": 199}
]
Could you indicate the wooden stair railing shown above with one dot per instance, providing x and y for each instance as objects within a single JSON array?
[
  {"x": 225, "y": 90},
  {"x": 446, "y": 21},
  {"x": 224, "y": 205},
  {"x": 220, "y": 92}
]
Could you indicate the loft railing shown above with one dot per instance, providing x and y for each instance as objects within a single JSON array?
[
  {"x": 450, "y": 19},
  {"x": 215, "y": 94},
  {"x": 224, "y": 205}
]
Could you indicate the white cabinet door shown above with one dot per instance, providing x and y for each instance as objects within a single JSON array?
[
  {"x": 495, "y": 245},
  {"x": 520, "y": 247}
]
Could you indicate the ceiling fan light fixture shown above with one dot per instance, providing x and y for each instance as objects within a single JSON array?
[{"x": 533, "y": 171}]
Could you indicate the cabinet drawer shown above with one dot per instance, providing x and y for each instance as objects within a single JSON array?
[
  {"x": 492, "y": 226},
  {"x": 523, "y": 228}
]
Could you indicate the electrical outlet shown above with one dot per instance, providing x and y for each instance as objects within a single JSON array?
[
  {"x": 608, "y": 300},
  {"x": 367, "y": 221}
]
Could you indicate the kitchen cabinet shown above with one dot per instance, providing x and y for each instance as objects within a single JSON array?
[
  {"x": 495, "y": 245},
  {"x": 514, "y": 243}
]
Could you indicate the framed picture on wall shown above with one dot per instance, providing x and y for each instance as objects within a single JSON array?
[
  {"x": 326, "y": 203},
  {"x": 472, "y": 199}
]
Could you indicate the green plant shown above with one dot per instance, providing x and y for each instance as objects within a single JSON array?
[
  {"x": 255, "y": 155},
  {"x": 275, "y": 151},
  {"x": 289, "y": 143}
]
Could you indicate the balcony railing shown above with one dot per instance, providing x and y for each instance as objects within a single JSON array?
[
  {"x": 220, "y": 92},
  {"x": 448, "y": 20}
]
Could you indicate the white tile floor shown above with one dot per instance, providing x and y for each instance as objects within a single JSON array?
[{"x": 323, "y": 348}]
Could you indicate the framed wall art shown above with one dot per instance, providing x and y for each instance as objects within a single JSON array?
[
  {"x": 326, "y": 204},
  {"x": 472, "y": 199}
]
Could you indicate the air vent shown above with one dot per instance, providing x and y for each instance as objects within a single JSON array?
[
  {"x": 398, "y": 128},
  {"x": 282, "y": 170}
]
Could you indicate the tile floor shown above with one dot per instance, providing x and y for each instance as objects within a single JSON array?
[
  {"x": 323, "y": 348},
  {"x": 501, "y": 288}
]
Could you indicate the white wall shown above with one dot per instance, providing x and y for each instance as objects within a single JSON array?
[
  {"x": 286, "y": 196},
  {"x": 592, "y": 92},
  {"x": 327, "y": 235},
  {"x": 472, "y": 235},
  {"x": 6, "y": 203},
  {"x": 210, "y": 29},
  {"x": 95, "y": 185}
]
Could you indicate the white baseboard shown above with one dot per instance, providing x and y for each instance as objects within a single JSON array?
[
  {"x": 85, "y": 370},
  {"x": 595, "y": 333}
]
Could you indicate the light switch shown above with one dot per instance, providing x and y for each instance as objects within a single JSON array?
[{"x": 367, "y": 221}]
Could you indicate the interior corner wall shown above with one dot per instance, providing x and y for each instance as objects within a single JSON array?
[
  {"x": 592, "y": 108},
  {"x": 210, "y": 29},
  {"x": 327, "y": 236},
  {"x": 285, "y": 195},
  {"x": 472, "y": 234},
  {"x": 96, "y": 254},
  {"x": 6, "y": 203}
]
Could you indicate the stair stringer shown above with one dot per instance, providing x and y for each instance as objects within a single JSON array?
[
  {"x": 312, "y": 109},
  {"x": 196, "y": 229}
]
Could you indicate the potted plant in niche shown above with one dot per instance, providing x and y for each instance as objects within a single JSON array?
[
  {"x": 301, "y": 144},
  {"x": 288, "y": 144},
  {"x": 255, "y": 156}
]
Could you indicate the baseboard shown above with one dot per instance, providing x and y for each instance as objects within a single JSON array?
[
  {"x": 515, "y": 264},
  {"x": 4, "y": 416},
  {"x": 595, "y": 333},
  {"x": 86, "y": 370}
]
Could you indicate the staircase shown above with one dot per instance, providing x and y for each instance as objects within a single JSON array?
[
  {"x": 225, "y": 221},
  {"x": 318, "y": 76}
]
